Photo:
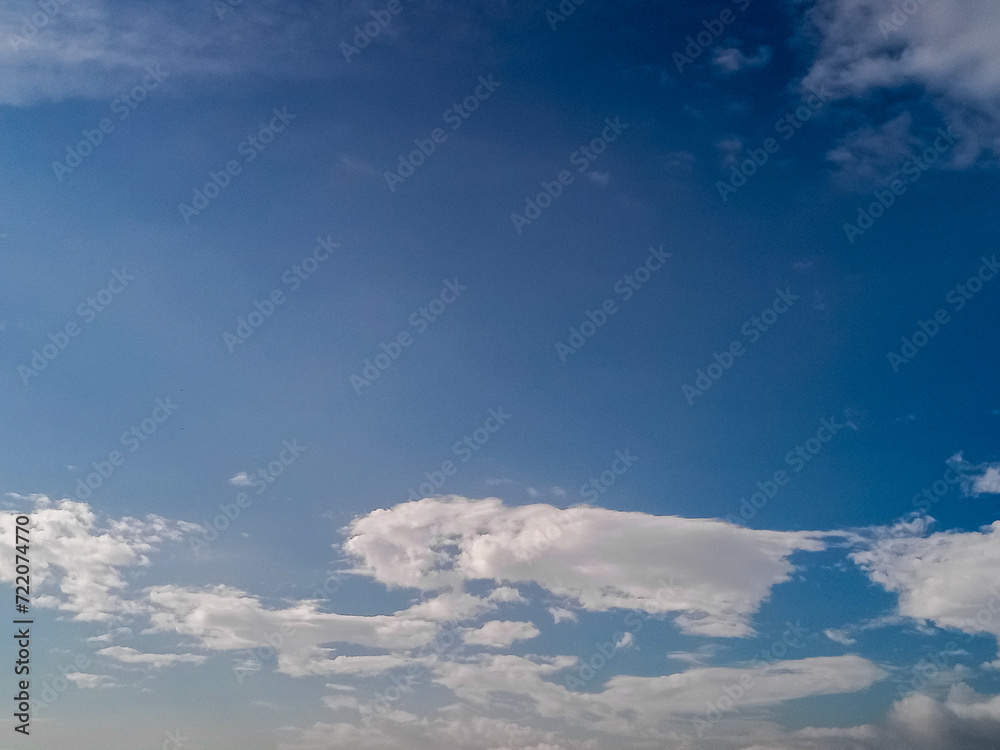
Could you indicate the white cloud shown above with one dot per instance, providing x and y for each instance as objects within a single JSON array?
[
  {"x": 507, "y": 594},
  {"x": 948, "y": 50},
  {"x": 839, "y": 636},
  {"x": 713, "y": 574},
  {"x": 629, "y": 704},
  {"x": 100, "y": 49},
  {"x": 131, "y": 656},
  {"x": 626, "y": 641},
  {"x": 559, "y": 614},
  {"x": 241, "y": 480},
  {"x": 91, "y": 681},
  {"x": 81, "y": 558},
  {"x": 224, "y": 618},
  {"x": 977, "y": 479},
  {"x": 947, "y": 577},
  {"x": 499, "y": 633},
  {"x": 449, "y": 607}
]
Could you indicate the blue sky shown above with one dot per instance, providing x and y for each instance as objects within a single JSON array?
[{"x": 371, "y": 395}]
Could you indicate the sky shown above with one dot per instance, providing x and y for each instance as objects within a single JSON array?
[{"x": 502, "y": 375}]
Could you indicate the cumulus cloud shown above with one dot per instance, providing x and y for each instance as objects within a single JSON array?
[
  {"x": 947, "y": 51},
  {"x": 712, "y": 574},
  {"x": 946, "y": 577},
  {"x": 499, "y": 633},
  {"x": 78, "y": 559}
]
